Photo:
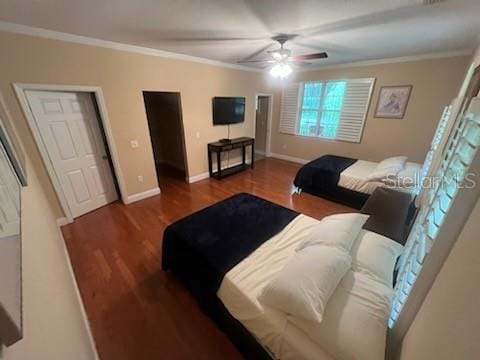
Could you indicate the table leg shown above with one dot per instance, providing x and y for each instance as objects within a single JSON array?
[
  {"x": 253, "y": 154},
  {"x": 243, "y": 154},
  {"x": 210, "y": 170},
  {"x": 219, "y": 165}
]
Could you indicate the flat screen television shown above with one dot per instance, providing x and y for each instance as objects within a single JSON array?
[{"x": 228, "y": 110}]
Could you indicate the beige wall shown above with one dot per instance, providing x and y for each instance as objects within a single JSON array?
[
  {"x": 446, "y": 326},
  {"x": 123, "y": 76},
  {"x": 53, "y": 326},
  {"x": 435, "y": 83}
]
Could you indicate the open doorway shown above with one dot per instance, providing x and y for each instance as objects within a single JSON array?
[
  {"x": 262, "y": 126},
  {"x": 164, "y": 115}
]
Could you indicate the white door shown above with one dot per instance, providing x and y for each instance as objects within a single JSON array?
[{"x": 69, "y": 128}]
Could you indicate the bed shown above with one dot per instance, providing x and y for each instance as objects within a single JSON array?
[
  {"x": 338, "y": 336},
  {"x": 345, "y": 180},
  {"x": 226, "y": 253}
]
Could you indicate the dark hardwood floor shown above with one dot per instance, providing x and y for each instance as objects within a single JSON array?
[{"x": 136, "y": 310}]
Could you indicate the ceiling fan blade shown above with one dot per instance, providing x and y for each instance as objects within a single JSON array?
[
  {"x": 210, "y": 39},
  {"x": 301, "y": 63},
  {"x": 322, "y": 55},
  {"x": 255, "y": 61},
  {"x": 257, "y": 53}
]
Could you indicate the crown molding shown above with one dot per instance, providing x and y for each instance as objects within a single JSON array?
[
  {"x": 428, "y": 56},
  {"x": 84, "y": 40}
]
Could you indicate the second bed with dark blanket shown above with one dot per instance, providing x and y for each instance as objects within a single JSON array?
[{"x": 320, "y": 177}]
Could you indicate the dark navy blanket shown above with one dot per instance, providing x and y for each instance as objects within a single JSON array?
[
  {"x": 201, "y": 248},
  {"x": 322, "y": 173}
]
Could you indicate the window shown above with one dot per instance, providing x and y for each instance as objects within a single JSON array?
[
  {"x": 321, "y": 106},
  {"x": 334, "y": 109},
  {"x": 452, "y": 175}
]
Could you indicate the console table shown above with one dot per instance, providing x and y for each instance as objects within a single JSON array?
[{"x": 221, "y": 146}]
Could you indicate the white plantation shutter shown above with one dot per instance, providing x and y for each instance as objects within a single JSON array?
[
  {"x": 460, "y": 152},
  {"x": 340, "y": 115},
  {"x": 354, "y": 109},
  {"x": 436, "y": 140},
  {"x": 290, "y": 108}
]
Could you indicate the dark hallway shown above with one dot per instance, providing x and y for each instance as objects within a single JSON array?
[{"x": 164, "y": 115}]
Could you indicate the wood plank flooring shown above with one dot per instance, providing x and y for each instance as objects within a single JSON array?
[{"x": 136, "y": 310}]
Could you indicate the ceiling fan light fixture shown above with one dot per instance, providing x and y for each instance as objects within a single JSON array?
[
  {"x": 281, "y": 54},
  {"x": 281, "y": 70}
]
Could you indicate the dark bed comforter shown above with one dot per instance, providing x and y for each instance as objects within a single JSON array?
[
  {"x": 201, "y": 248},
  {"x": 323, "y": 172},
  {"x": 320, "y": 177}
]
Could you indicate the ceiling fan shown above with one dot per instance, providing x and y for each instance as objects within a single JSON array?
[{"x": 282, "y": 58}]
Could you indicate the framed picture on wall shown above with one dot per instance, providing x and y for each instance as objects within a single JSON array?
[{"x": 392, "y": 101}]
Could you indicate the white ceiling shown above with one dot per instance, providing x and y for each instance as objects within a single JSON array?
[{"x": 233, "y": 30}]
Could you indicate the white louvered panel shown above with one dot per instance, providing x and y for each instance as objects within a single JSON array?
[
  {"x": 461, "y": 147},
  {"x": 354, "y": 109},
  {"x": 290, "y": 108},
  {"x": 423, "y": 248},
  {"x": 437, "y": 138},
  {"x": 437, "y": 214}
]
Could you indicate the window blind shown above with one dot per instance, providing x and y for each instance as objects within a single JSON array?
[
  {"x": 461, "y": 148},
  {"x": 290, "y": 108},
  {"x": 334, "y": 109},
  {"x": 354, "y": 109},
  {"x": 437, "y": 138}
]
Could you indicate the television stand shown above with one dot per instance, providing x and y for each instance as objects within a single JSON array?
[{"x": 224, "y": 146}]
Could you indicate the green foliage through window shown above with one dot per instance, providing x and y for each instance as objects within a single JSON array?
[{"x": 321, "y": 106}]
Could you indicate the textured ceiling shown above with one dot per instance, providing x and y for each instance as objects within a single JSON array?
[{"x": 233, "y": 30}]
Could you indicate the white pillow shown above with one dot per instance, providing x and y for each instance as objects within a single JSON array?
[
  {"x": 388, "y": 168},
  {"x": 338, "y": 230},
  {"x": 376, "y": 255},
  {"x": 354, "y": 324},
  {"x": 302, "y": 288},
  {"x": 396, "y": 161},
  {"x": 408, "y": 178}
]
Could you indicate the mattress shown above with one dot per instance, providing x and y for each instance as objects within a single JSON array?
[
  {"x": 348, "y": 313},
  {"x": 355, "y": 177}
]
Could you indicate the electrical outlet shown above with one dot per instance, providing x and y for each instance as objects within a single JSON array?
[
  {"x": 197, "y": 134},
  {"x": 284, "y": 146},
  {"x": 140, "y": 178},
  {"x": 134, "y": 144}
]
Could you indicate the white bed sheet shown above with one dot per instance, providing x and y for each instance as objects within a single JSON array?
[
  {"x": 341, "y": 335},
  {"x": 355, "y": 177}
]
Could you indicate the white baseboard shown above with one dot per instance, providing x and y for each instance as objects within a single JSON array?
[
  {"x": 143, "y": 195},
  {"x": 289, "y": 158},
  {"x": 83, "y": 313},
  {"x": 260, "y": 152},
  {"x": 198, "y": 177},
  {"x": 63, "y": 221}
]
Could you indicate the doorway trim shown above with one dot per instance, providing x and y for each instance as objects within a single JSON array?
[
  {"x": 269, "y": 121},
  {"x": 20, "y": 89}
]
